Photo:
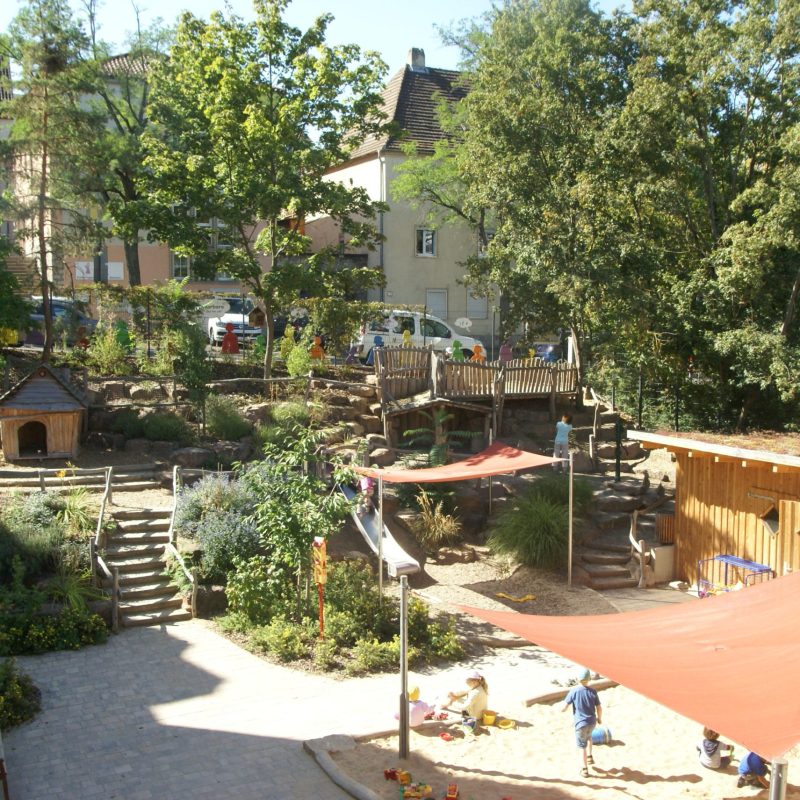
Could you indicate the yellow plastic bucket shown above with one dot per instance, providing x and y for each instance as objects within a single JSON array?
[{"x": 489, "y": 717}]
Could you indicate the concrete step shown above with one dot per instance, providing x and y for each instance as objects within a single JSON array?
[
  {"x": 156, "y": 618},
  {"x": 142, "y": 513},
  {"x": 606, "y": 570},
  {"x": 600, "y": 584},
  {"x": 146, "y": 605},
  {"x": 598, "y": 557},
  {"x": 161, "y": 588}
]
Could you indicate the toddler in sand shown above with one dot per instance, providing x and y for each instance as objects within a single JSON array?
[
  {"x": 711, "y": 750},
  {"x": 474, "y": 701}
]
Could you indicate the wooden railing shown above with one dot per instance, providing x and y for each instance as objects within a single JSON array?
[
  {"x": 171, "y": 548},
  {"x": 98, "y": 543},
  {"x": 68, "y": 472},
  {"x": 403, "y": 371}
]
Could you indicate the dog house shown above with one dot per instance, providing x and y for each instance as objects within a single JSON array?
[{"x": 42, "y": 416}]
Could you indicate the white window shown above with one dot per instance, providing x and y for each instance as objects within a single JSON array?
[
  {"x": 180, "y": 266},
  {"x": 436, "y": 302},
  {"x": 477, "y": 307},
  {"x": 426, "y": 242}
]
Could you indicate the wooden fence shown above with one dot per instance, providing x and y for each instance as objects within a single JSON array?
[{"x": 403, "y": 371}]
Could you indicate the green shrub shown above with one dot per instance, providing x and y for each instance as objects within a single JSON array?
[
  {"x": 167, "y": 427},
  {"x": 258, "y": 590},
  {"x": 74, "y": 590},
  {"x": 342, "y": 628},
  {"x": 533, "y": 530},
  {"x": 352, "y": 589},
  {"x": 68, "y": 630},
  {"x": 285, "y": 419},
  {"x": 129, "y": 424},
  {"x": 298, "y": 362},
  {"x": 286, "y": 640},
  {"x": 371, "y": 655},
  {"x": 37, "y": 509},
  {"x": 223, "y": 536},
  {"x": 39, "y": 548},
  {"x": 434, "y": 527},
  {"x": 556, "y": 489},
  {"x": 106, "y": 355},
  {"x": 20, "y": 700},
  {"x": 325, "y": 651},
  {"x": 213, "y": 492},
  {"x": 78, "y": 516},
  {"x": 223, "y": 419}
]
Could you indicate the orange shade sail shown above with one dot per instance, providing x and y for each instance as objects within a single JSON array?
[
  {"x": 730, "y": 662},
  {"x": 497, "y": 459}
]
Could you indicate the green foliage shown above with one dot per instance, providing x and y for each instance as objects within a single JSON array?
[
  {"x": 105, "y": 355},
  {"x": 434, "y": 527},
  {"x": 258, "y": 589},
  {"x": 299, "y": 362},
  {"x": 213, "y": 493},
  {"x": 30, "y": 534},
  {"x": 288, "y": 641},
  {"x": 78, "y": 514},
  {"x": 556, "y": 489},
  {"x": 325, "y": 655},
  {"x": 164, "y": 426},
  {"x": 73, "y": 590},
  {"x": 225, "y": 537},
  {"x": 129, "y": 424},
  {"x": 230, "y": 111},
  {"x": 70, "y": 629},
  {"x": 438, "y": 437},
  {"x": 20, "y": 699},
  {"x": 371, "y": 655},
  {"x": 534, "y": 530},
  {"x": 223, "y": 419}
]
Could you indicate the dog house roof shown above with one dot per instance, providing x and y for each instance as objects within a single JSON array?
[{"x": 44, "y": 389}]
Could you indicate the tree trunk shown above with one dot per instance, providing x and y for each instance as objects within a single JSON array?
[
  {"x": 47, "y": 349},
  {"x": 132, "y": 261},
  {"x": 270, "y": 320},
  {"x": 744, "y": 412},
  {"x": 578, "y": 352}
]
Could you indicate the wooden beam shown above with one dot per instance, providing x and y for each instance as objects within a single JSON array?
[
  {"x": 726, "y": 460},
  {"x": 699, "y": 454},
  {"x": 784, "y": 469}
]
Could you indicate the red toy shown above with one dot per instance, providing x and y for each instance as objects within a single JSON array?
[
  {"x": 390, "y": 774},
  {"x": 230, "y": 344},
  {"x": 452, "y": 792}
]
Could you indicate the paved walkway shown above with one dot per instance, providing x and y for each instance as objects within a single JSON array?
[{"x": 179, "y": 711}]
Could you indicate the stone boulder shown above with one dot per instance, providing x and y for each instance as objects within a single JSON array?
[
  {"x": 114, "y": 390},
  {"x": 142, "y": 393},
  {"x": 355, "y": 428},
  {"x": 193, "y": 457},
  {"x": 362, "y": 391},
  {"x": 382, "y": 457},
  {"x": 211, "y": 600},
  {"x": 360, "y": 404},
  {"x": 257, "y": 412},
  {"x": 582, "y": 463},
  {"x": 371, "y": 425},
  {"x": 376, "y": 440},
  {"x": 228, "y": 452},
  {"x": 336, "y": 398},
  {"x": 634, "y": 450},
  {"x": 138, "y": 446},
  {"x": 342, "y": 414},
  {"x": 161, "y": 449}
]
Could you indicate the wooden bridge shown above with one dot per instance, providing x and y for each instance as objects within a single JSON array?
[{"x": 418, "y": 375}]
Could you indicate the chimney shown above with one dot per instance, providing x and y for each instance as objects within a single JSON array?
[{"x": 416, "y": 59}]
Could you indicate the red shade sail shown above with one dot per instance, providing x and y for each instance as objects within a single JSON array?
[
  {"x": 731, "y": 662},
  {"x": 497, "y": 459}
]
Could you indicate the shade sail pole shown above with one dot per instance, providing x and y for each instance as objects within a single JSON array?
[
  {"x": 779, "y": 780},
  {"x": 404, "y": 732},
  {"x": 571, "y": 488},
  {"x": 380, "y": 539},
  {"x": 491, "y": 436}
]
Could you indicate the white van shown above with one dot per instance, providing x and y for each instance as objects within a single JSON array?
[{"x": 426, "y": 331}]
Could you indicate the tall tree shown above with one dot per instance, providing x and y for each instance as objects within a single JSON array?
[
  {"x": 544, "y": 82},
  {"x": 246, "y": 120},
  {"x": 44, "y": 42}
]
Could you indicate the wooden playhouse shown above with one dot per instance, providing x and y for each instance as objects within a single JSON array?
[
  {"x": 42, "y": 416},
  {"x": 737, "y": 506}
]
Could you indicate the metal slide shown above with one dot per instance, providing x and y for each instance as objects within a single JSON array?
[{"x": 398, "y": 562}]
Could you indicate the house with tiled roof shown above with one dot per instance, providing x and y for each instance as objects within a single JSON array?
[{"x": 422, "y": 261}]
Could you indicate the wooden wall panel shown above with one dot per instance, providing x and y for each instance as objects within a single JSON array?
[
  {"x": 63, "y": 431},
  {"x": 718, "y": 509}
]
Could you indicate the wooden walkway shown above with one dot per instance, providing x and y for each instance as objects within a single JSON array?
[{"x": 410, "y": 372}]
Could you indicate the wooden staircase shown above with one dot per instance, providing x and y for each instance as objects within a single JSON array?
[
  {"x": 136, "y": 547},
  {"x": 132, "y": 478}
]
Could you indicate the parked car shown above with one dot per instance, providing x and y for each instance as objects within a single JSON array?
[
  {"x": 426, "y": 330},
  {"x": 238, "y": 315},
  {"x": 69, "y": 320}
]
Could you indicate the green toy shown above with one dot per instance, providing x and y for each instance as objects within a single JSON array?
[
  {"x": 123, "y": 335},
  {"x": 287, "y": 343},
  {"x": 458, "y": 353}
]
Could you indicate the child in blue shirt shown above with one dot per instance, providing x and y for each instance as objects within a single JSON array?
[
  {"x": 752, "y": 771},
  {"x": 561, "y": 446},
  {"x": 587, "y": 713}
]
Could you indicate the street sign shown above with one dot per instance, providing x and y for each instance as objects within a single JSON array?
[{"x": 216, "y": 308}]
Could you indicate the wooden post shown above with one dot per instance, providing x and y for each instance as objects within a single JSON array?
[
  {"x": 642, "y": 561},
  {"x": 115, "y": 599},
  {"x": 194, "y": 592},
  {"x": 41, "y": 481},
  {"x": 552, "y": 393},
  {"x": 93, "y": 561},
  {"x": 570, "y": 510},
  {"x": 109, "y": 482}
]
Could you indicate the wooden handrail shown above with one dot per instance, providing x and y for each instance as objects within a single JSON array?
[{"x": 171, "y": 548}]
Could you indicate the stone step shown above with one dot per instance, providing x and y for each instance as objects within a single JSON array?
[
  {"x": 599, "y": 557},
  {"x": 606, "y": 570},
  {"x": 600, "y": 584},
  {"x": 161, "y": 588},
  {"x": 605, "y": 546},
  {"x": 142, "y": 513},
  {"x": 144, "y": 605},
  {"x": 156, "y": 618},
  {"x": 123, "y": 552},
  {"x": 607, "y": 521}
]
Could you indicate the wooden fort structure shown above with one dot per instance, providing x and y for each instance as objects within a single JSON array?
[
  {"x": 43, "y": 416},
  {"x": 415, "y": 379},
  {"x": 731, "y": 500}
]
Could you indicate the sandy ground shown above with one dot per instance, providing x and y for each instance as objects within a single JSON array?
[{"x": 652, "y": 757}]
